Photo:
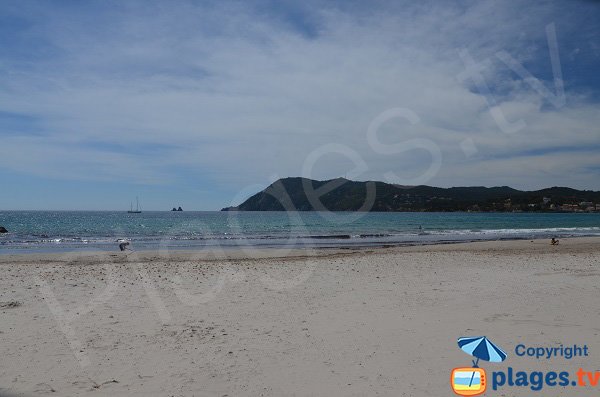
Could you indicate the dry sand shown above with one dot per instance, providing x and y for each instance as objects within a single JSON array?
[{"x": 369, "y": 322}]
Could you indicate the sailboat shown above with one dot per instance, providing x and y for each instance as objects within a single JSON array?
[{"x": 137, "y": 207}]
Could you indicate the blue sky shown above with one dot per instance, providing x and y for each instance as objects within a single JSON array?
[{"x": 200, "y": 103}]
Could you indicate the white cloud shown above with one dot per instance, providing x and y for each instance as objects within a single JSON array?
[{"x": 234, "y": 93}]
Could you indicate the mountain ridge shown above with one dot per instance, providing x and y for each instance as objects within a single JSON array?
[{"x": 342, "y": 194}]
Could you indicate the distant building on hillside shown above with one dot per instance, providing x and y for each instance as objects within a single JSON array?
[{"x": 569, "y": 207}]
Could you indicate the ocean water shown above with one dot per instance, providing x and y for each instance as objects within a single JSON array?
[{"x": 60, "y": 231}]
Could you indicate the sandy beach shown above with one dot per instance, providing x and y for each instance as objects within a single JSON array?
[{"x": 352, "y": 322}]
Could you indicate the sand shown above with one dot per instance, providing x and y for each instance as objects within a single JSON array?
[{"x": 360, "y": 322}]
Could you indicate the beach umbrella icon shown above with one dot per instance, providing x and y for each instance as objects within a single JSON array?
[{"x": 481, "y": 348}]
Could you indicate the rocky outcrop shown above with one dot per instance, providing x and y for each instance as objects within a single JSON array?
[{"x": 3, "y": 229}]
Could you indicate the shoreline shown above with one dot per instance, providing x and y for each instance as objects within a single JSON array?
[{"x": 259, "y": 253}]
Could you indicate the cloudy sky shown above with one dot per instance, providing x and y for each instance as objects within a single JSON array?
[{"x": 200, "y": 103}]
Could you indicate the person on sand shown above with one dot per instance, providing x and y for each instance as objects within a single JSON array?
[
  {"x": 554, "y": 241},
  {"x": 123, "y": 245}
]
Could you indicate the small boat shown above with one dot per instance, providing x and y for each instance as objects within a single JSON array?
[{"x": 137, "y": 207}]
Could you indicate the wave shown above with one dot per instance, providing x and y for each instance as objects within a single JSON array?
[
  {"x": 517, "y": 231},
  {"x": 288, "y": 238}
]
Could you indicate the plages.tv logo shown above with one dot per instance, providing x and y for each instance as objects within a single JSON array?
[{"x": 472, "y": 381}]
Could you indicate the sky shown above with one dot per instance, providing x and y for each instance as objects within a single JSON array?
[{"x": 200, "y": 104}]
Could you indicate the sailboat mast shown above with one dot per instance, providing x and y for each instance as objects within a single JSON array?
[{"x": 137, "y": 206}]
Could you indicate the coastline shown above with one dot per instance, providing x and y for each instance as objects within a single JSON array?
[{"x": 568, "y": 244}]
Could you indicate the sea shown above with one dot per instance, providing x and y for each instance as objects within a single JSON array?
[{"x": 64, "y": 231}]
